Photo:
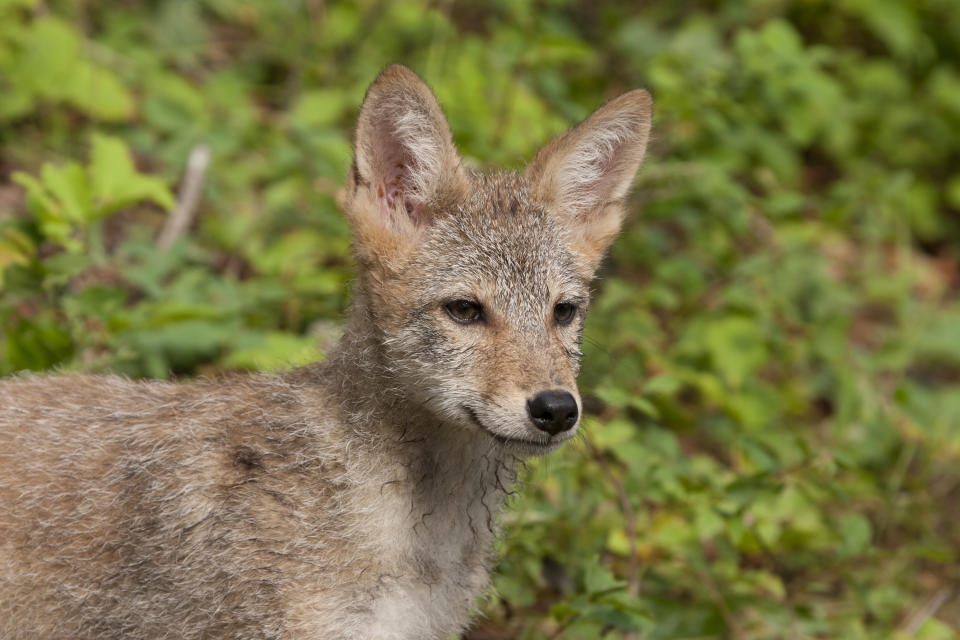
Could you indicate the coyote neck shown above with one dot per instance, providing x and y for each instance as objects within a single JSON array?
[
  {"x": 426, "y": 492},
  {"x": 452, "y": 476}
]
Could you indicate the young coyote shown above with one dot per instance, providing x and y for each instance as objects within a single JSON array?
[{"x": 354, "y": 498}]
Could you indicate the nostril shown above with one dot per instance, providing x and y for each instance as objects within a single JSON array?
[{"x": 553, "y": 411}]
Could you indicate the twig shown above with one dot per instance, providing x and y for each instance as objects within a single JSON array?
[
  {"x": 913, "y": 622},
  {"x": 182, "y": 215},
  {"x": 630, "y": 521},
  {"x": 733, "y": 626}
]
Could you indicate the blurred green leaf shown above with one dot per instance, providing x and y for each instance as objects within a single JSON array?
[{"x": 115, "y": 181}]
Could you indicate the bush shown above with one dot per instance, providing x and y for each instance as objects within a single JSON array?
[{"x": 773, "y": 356}]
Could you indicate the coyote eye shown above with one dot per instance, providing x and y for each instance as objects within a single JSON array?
[
  {"x": 564, "y": 312},
  {"x": 464, "y": 311}
]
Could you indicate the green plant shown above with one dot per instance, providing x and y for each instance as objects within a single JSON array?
[{"x": 772, "y": 357}]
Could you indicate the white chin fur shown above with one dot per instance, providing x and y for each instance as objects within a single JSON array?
[{"x": 520, "y": 441}]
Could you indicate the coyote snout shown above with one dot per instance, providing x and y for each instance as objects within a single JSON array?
[{"x": 356, "y": 497}]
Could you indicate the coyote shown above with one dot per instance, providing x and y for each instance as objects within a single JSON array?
[{"x": 356, "y": 497}]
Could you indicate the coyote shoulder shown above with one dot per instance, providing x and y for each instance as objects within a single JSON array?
[{"x": 356, "y": 497}]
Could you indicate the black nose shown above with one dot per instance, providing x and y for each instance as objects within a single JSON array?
[{"x": 553, "y": 411}]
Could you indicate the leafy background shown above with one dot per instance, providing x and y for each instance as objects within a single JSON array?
[{"x": 773, "y": 357}]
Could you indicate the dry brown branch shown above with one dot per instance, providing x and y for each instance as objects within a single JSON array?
[
  {"x": 929, "y": 609},
  {"x": 181, "y": 217}
]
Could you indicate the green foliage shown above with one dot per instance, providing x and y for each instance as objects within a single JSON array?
[
  {"x": 70, "y": 199},
  {"x": 773, "y": 355}
]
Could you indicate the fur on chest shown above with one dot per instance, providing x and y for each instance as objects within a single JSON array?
[
  {"x": 413, "y": 574},
  {"x": 435, "y": 565},
  {"x": 424, "y": 534}
]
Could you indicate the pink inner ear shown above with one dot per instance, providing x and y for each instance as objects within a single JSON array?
[{"x": 395, "y": 188}]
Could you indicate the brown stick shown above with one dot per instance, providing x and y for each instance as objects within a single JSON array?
[
  {"x": 182, "y": 215},
  {"x": 929, "y": 609},
  {"x": 630, "y": 522}
]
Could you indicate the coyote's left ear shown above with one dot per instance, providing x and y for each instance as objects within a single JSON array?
[{"x": 585, "y": 174}]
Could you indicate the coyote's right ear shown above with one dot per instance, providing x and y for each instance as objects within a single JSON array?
[{"x": 404, "y": 164}]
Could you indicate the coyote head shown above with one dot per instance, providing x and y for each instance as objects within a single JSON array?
[{"x": 477, "y": 285}]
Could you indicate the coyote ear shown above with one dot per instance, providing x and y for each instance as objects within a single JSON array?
[
  {"x": 404, "y": 161},
  {"x": 584, "y": 175}
]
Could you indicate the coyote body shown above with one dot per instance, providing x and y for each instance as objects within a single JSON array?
[{"x": 356, "y": 497}]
